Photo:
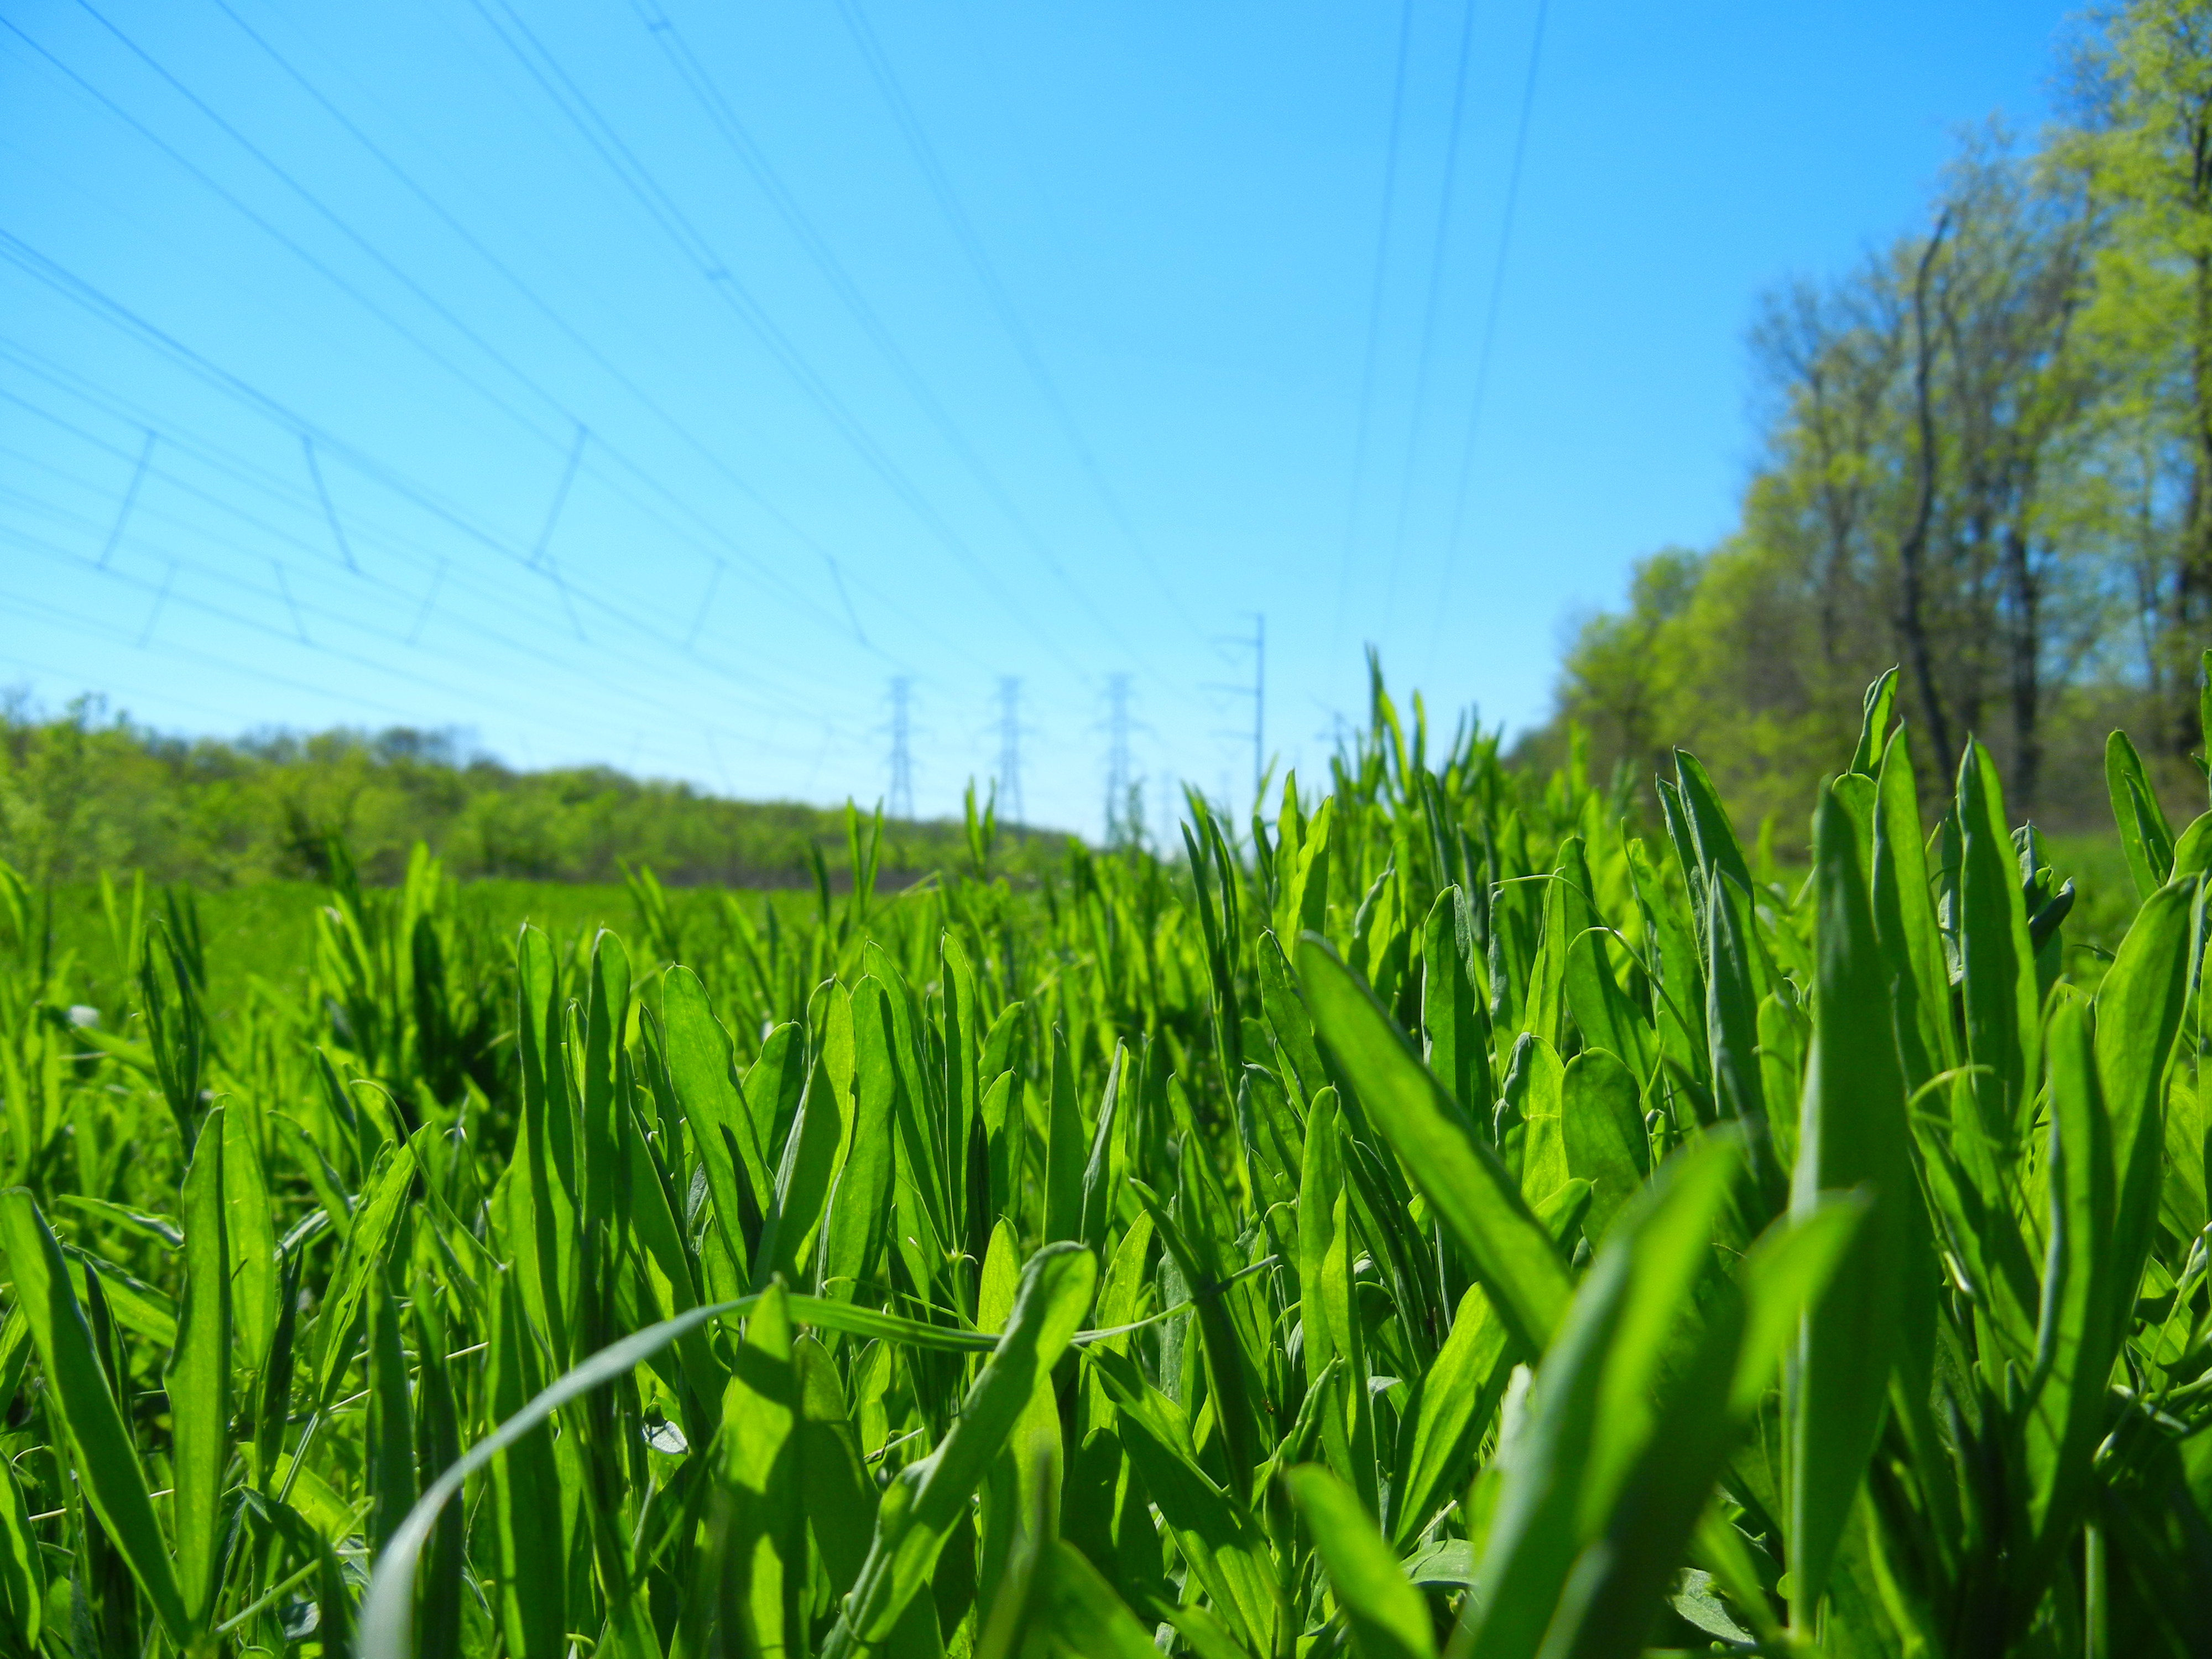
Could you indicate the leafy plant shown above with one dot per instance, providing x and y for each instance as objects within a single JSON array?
[{"x": 1443, "y": 1221}]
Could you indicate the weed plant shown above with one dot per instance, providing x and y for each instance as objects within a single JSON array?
[{"x": 1437, "y": 1221}]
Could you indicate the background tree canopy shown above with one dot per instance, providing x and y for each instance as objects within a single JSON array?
[
  {"x": 1986, "y": 457},
  {"x": 82, "y": 793}
]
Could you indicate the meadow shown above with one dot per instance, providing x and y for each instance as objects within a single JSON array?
[{"x": 1449, "y": 1214}]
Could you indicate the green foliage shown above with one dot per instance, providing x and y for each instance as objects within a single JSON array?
[
  {"x": 1573, "y": 1243},
  {"x": 80, "y": 793},
  {"x": 1984, "y": 458}
]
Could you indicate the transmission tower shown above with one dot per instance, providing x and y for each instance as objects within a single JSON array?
[
  {"x": 1257, "y": 643},
  {"x": 1119, "y": 829},
  {"x": 902, "y": 793},
  {"x": 1258, "y": 704},
  {"x": 1010, "y": 750}
]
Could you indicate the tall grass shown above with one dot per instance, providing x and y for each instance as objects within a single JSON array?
[{"x": 1439, "y": 1220}]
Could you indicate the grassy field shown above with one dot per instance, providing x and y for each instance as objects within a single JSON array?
[{"x": 1441, "y": 1219}]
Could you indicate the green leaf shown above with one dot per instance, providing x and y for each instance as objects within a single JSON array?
[
  {"x": 1852, "y": 1134},
  {"x": 1601, "y": 1009},
  {"x": 924, "y": 1501},
  {"x": 1217, "y": 1534},
  {"x": 1451, "y": 1405},
  {"x": 722, "y": 1132},
  {"x": 524, "y": 1487},
  {"x": 767, "y": 1559},
  {"x": 1880, "y": 698},
  {"x": 1601, "y": 1127},
  {"x": 2192, "y": 854},
  {"x": 544, "y": 1198},
  {"x": 1330, "y": 1326},
  {"x": 1464, "y": 1183},
  {"x": 2105, "y": 1162},
  {"x": 1098, "y": 1172},
  {"x": 106, "y": 1460},
  {"x": 2145, "y": 839},
  {"x": 1596, "y": 1411},
  {"x": 22, "y": 1570},
  {"x": 859, "y": 1209},
  {"x": 1085, "y": 1615},
  {"x": 1386, "y": 1616},
  {"x": 2003, "y": 1012},
  {"x": 197, "y": 1377},
  {"x": 1065, "y": 1154},
  {"x": 1287, "y": 1018},
  {"x": 359, "y": 1263},
  {"x": 249, "y": 1231},
  {"x": 2083, "y": 1311},
  {"x": 1455, "y": 1018},
  {"x": 389, "y": 1452},
  {"x": 1905, "y": 921},
  {"x": 840, "y": 1498},
  {"x": 813, "y": 1156}
]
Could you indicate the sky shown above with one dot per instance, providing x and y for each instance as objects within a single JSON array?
[{"x": 716, "y": 391}]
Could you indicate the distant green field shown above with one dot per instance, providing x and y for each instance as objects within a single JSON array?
[{"x": 265, "y": 931}]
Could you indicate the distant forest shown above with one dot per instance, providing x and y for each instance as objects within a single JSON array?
[
  {"x": 82, "y": 792},
  {"x": 1986, "y": 457}
]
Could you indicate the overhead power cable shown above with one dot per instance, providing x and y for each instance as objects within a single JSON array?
[
  {"x": 166, "y": 594},
  {"x": 284, "y": 490},
  {"x": 537, "y": 302},
  {"x": 129, "y": 497},
  {"x": 499, "y": 602},
  {"x": 663, "y": 209},
  {"x": 1439, "y": 240},
  {"x": 1489, "y": 327},
  {"x": 1002, "y": 303},
  {"x": 458, "y": 323},
  {"x": 342, "y": 616},
  {"x": 107, "y": 629},
  {"x": 726, "y": 121},
  {"x": 28, "y": 259},
  {"x": 1376, "y": 289},
  {"x": 349, "y": 613}
]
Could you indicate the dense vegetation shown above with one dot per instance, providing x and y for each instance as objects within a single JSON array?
[
  {"x": 1440, "y": 1219},
  {"x": 80, "y": 792},
  {"x": 1987, "y": 456}
]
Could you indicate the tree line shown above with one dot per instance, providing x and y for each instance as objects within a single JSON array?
[
  {"x": 82, "y": 792},
  {"x": 1986, "y": 457}
]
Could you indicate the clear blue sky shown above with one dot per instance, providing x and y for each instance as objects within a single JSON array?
[{"x": 952, "y": 341}]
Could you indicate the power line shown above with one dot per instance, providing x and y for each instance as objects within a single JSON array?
[
  {"x": 475, "y": 243},
  {"x": 1010, "y": 747},
  {"x": 129, "y": 497},
  {"x": 1257, "y": 645},
  {"x": 1124, "y": 816},
  {"x": 322, "y": 209},
  {"x": 647, "y": 190},
  {"x": 1002, "y": 303},
  {"x": 1259, "y": 705},
  {"x": 165, "y": 592},
  {"x": 323, "y": 495},
  {"x": 1376, "y": 290},
  {"x": 1431, "y": 305},
  {"x": 29, "y": 259},
  {"x": 726, "y": 121},
  {"x": 901, "y": 789},
  {"x": 347, "y": 618},
  {"x": 348, "y": 613},
  {"x": 1489, "y": 327},
  {"x": 437, "y": 567}
]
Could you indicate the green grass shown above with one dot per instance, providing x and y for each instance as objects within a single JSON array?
[{"x": 1442, "y": 1219}]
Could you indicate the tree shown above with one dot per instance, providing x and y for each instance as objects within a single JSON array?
[{"x": 2142, "y": 144}]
